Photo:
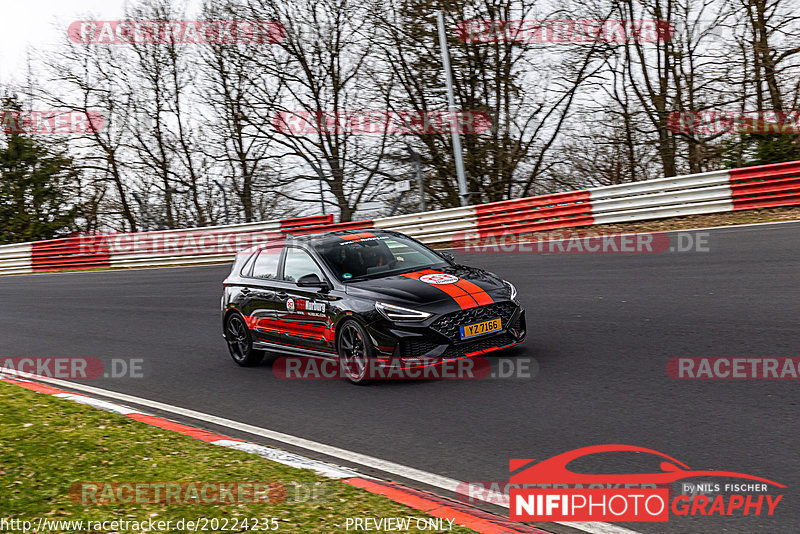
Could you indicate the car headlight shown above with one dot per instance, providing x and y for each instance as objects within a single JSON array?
[
  {"x": 512, "y": 288},
  {"x": 396, "y": 313}
]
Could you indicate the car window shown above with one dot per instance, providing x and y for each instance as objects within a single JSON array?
[
  {"x": 247, "y": 268},
  {"x": 266, "y": 264},
  {"x": 377, "y": 256},
  {"x": 298, "y": 264}
]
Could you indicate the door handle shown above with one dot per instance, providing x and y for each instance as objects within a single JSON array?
[
  {"x": 245, "y": 291},
  {"x": 282, "y": 294}
]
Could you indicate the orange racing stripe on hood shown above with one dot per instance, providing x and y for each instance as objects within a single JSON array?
[
  {"x": 480, "y": 296},
  {"x": 459, "y": 294}
]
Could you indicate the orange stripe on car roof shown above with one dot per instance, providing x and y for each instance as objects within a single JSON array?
[{"x": 352, "y": 237}]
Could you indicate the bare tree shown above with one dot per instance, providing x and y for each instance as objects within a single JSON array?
[
  {"x": 235, "y": 82},
  {"x": 94, "y": 80},
  {"x": 164, "y": 92},
  {"x": 527, "y": 92},
  {"x": 321, "y": 64}
]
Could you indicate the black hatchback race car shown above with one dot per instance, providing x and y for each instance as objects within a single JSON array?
[{"x": 364, "y": 299}]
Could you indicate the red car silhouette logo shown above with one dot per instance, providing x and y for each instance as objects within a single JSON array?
[{"x": 554, "y": 470}]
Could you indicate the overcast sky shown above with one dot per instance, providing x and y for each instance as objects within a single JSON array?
[{"x": 40, "y": 24}]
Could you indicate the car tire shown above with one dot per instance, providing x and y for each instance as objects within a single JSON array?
[
  {"x": 355, "y": 351},
  {"x": 240, "y": 342}
]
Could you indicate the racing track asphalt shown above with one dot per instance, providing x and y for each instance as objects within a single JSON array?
[{"x": 601, "y": 329}]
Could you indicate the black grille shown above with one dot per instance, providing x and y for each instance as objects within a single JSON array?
[
  {"x": 449, "y": 325},
  {"x": 414, "y": 348},
  {"x": 490, "y": 342}
]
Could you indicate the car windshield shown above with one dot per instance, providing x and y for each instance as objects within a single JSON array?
[{"x": 375, "y": 256}]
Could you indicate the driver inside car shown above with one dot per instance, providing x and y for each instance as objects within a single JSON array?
[{"x": 376, "y": 256}]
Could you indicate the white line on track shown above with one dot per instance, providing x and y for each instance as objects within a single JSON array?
[{"x": 410, "y": 473}]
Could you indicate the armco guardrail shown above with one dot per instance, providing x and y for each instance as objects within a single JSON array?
[
  {"x": 146, "y": 249},
  {"x": 15, "y": 259},
  {"x": 712, "y": 192}
]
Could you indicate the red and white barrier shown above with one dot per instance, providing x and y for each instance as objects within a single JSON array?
[
  {"x": 763, "y": 186},
  {"x": 15, "y": 258}
]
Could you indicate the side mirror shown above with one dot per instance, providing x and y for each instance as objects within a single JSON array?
[
  {"x": 449, "y": 257},
  {"x": 312, "y": 280}
]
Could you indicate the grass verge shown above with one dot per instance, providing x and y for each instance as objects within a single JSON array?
[{"x": 49, "y": 444}]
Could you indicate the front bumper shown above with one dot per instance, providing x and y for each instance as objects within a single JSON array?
[{"x": 439, "y": 340}]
